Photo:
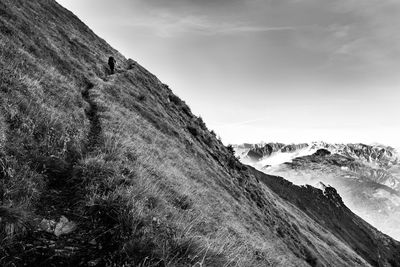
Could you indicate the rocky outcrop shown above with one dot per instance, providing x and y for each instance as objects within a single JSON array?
[
  {"x": 322, "y": 153},
  {"x": 382, "y": 156},
  {"x": 265, "y": 150},
  {"x": 258, "y": 151},
  {"x": 293, "y": 147}
]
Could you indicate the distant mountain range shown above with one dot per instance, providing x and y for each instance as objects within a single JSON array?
[{"x": 366, "y": 176}]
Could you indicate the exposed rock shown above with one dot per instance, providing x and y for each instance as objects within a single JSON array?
[
  {"x": 293, "y": 147},
  {"x": 259, "y": 151},
  {"x": 64, "y": 226},
  {"x": 333, "y": 196}
]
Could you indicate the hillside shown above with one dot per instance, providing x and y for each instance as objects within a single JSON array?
[{"x": 115, "y": 170}]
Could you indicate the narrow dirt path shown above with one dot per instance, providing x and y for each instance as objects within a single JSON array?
[
  {"x": 62, "y": 204},
  {"x": 94, "y": 136}
]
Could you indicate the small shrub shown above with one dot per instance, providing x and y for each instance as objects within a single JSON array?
[
  {"x": 142, "y": 98},
  {"x": 113, "y": 147},
  {"x": 193, "y": 130},
  {"x": 280, "y": 232},
  {"x": 219, "y": 140},
  {"x": 107, "y": 211},
  {"x": 232, "y": 162},
  {"x": 187, "y": 110},
  {"x": 179, "y": 103},
  {"x": 230, "y": 149},
  {"x": 6, "y": 31},
  {"x": 175, "y": 99},
  {"x": 183, "y": 202},
  {"x": 201, "y": 123},
  {"x": 152, "y": 202},
  {"x": 13, "y": 222},
  {"x": 209, "y": 141},
  {"x": 310, "y": 258}
]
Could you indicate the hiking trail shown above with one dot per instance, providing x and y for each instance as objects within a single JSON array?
[
  {"x": 93, "y": 116},
  {"x": 64, "y": 234}
]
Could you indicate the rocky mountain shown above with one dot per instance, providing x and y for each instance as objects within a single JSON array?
[
  {"x": 115, "y": 170},
  {"x": 374, "y": 155},
  {"x": 257, "y": 152},
  {"x": 366, "y": 177}
]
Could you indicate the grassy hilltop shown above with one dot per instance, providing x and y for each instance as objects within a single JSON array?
[{"x": 142, "y": 179}]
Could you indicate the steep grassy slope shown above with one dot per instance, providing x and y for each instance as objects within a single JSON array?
[{"x": 144, "y": 180}]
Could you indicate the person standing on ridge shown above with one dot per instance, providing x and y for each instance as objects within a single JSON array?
[{"x": 111, "y": 63}]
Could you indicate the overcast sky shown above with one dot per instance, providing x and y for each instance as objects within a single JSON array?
[{"x": 267, "y": 70}]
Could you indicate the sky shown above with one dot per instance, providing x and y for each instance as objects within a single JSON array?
[{"x": 267, "y": 70}]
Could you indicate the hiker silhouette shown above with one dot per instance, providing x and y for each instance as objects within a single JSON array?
[{"x": 111, "y": 63}]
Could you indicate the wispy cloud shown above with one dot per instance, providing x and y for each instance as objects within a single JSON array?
[
  {"x": 238, "y": 29},
  {"x": 167, "y": 25}
]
